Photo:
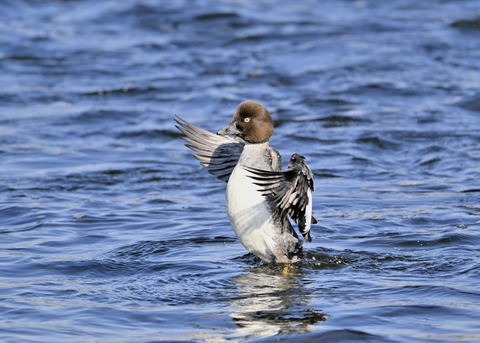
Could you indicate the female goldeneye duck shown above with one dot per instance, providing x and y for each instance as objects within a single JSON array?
[{"x": 260, "y": 196}]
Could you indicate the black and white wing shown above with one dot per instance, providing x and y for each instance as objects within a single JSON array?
[
  {"x": 291, "y": 191},
  {"x": 219, "y": 154}
]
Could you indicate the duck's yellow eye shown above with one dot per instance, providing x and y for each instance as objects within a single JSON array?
[{"x": 246, "y": 120}]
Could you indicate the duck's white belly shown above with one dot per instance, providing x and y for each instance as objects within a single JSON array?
[{"x": 249, "y": 215}]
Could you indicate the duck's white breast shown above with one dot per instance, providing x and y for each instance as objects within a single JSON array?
[{"x": 249, "y": 214}]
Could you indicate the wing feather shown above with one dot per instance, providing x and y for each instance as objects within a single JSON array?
[
  {"x": 219, "y": 154},
  {"x": 290, "y": 190}
]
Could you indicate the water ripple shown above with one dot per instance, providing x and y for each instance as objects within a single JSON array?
[{"x": 112, "y": 232}]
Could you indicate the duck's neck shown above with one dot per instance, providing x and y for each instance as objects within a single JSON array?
[{"x": 256, "y": 155}]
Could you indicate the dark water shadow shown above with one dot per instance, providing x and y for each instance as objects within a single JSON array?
[{"x": 334, "y": 336}]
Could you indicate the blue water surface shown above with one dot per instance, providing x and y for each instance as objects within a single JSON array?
[{"x": 111, "y": 231}]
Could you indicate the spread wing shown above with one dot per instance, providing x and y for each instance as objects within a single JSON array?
[
  {"x": 291, "y": 190},
  {"x": 219, "y": 154}
]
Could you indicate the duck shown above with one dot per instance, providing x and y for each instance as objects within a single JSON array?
[{"x": 260, "y": 197}]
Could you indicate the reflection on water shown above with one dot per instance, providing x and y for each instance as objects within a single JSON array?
[{"x": 272, "y": 301}]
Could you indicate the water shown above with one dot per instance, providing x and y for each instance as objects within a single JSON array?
[{"x": 112, "y": 232}]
